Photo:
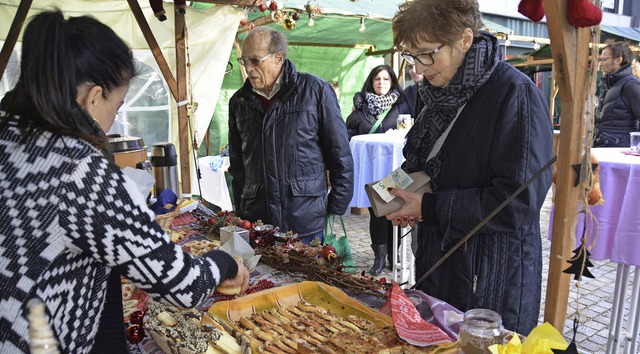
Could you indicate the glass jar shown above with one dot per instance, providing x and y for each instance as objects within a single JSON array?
[{"x": 480, "y": 329}]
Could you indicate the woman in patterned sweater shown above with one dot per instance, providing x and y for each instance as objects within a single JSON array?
[{"x": 72, "y": 222}]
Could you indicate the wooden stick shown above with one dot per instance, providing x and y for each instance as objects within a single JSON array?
[{"x": 14, "y": 32}]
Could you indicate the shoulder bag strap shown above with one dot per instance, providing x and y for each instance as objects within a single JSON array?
[
  {"x": 438, "y": 145},
  {"x": 379, "y": 121}
]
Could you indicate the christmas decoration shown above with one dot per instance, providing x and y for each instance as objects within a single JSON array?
[
  {"x": 580, "y": 263},
  {"x": 262, "y": 7},
  {"x": 273, "y": 6},
  {"x": 580, "y": 13},
  {"x": 295, "y": 16},
  {"x": 135, "y": 334},
  {"x": 160, "y": 13},
  {"x": 289, "y": 23},
  {"x": 136, "y": 317}
]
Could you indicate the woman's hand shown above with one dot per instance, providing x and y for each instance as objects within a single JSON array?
[
  {"x": 410, "y": 212},
  {"x": 240, "y": 280}
]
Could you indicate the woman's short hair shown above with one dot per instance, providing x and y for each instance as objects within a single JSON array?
[
  {"x": 435, "y": 21},
  {"x": 620, "y": 49},
  {"x": 368, "y": 85}
]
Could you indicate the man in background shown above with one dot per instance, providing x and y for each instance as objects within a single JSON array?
[
  {"x": 411, "y": 92},
  {"x": 285, "y": 130},
  {"x": 618, "y": 111}
]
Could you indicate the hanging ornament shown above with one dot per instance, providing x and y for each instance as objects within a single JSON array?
[
  {"x": 289, "y": 23},
  {"x": 295, "y": 16},
  {"x": 251, "y": 26},
  {"x": 273, "y": 6},
  {"x": 244, "y": 21},
  {"x": 135, "y": 334},
  {"x": 580, "y": 263},
  {"x": 136, "y": 317},
  {"x": 310, "y": 9},
  {"x": 311, "y": 21},
  {"x": 276, "y": 16},
  {"x": 262, "y": 7},
  {"x": 329, "y": 253}
]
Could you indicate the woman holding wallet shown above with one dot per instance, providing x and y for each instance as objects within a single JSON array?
[
  {"x": 498, "y": 134},
  {"x": 376, "y": 110}
]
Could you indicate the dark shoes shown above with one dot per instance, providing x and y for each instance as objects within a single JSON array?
[{"x": 380, "y": 255}]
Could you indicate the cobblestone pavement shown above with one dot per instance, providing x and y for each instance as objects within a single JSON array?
[{"x": 594, "y": 299}]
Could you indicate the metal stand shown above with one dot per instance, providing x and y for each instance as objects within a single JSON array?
[
  {"x": 403, "y": 271},
  {"x": 616, "y": 333}
]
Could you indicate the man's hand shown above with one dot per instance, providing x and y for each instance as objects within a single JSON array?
[{"x": 410, "y": 212}]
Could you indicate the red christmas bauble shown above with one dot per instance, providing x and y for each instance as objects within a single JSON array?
[
  {"x": 262, "y": 7},
  {"x": 329, "y": 252},
  {"x": 244, "y": 22},
  {"x": 135, "y": 334},
  {"x": 136, "y": 317},
  {"x": 273, "y": 6},
  {"x": 296, "y": 16}
]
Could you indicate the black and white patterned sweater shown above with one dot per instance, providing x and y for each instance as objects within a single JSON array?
[{"x": 68, "y": 218}]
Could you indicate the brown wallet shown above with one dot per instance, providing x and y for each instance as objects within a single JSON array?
[{"x": 419, "y": 185}]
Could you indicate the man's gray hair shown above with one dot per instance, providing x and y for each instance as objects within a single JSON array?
[{"x": 278, "y": 41}]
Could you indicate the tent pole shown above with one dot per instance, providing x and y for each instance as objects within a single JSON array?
[
  {"x": 570, "y": 49},
  {"x": 12, "y": 36},
  {"x": 183, "y": 119},
  {"x": 155, "y": 48}
]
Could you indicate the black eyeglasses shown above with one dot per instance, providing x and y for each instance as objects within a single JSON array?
[
  {"x": 425, "y": 59},
  {"x": 253, "y": 61}
]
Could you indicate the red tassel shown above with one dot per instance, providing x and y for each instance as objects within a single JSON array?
[
  {"x": 583, "y": 13},
  {"x": 532, "y": 9}
]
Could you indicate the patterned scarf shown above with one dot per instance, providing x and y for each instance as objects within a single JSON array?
[
  {"x": 441, "y": 104},
  {"x": 377, "y": 104}
]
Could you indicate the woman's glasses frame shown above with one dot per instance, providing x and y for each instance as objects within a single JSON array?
[{"x": 411, "y": 59}]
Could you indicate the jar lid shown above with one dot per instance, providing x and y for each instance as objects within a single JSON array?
[{"x": 121, "y": 143}]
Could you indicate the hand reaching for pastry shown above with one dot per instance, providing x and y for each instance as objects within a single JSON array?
[{"x": 238, "y": 284}]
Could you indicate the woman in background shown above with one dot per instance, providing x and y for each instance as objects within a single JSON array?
[
  {"x": 73, "y": 221},
  {"x": 376, "y": 110}
]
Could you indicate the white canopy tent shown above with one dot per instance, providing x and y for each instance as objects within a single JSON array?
[{"x": 210, "y": 40}]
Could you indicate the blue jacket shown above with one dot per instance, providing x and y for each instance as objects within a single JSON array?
[
  {"x": 279, "y": 157},
  {"x": 618, "y": 111},
  {"x": 501, "y": 138}
]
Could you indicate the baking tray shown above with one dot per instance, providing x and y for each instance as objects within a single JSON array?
[{"x": 316, "y": 293}]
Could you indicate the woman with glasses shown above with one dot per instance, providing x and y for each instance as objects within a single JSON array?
[
  {"x": 376, "y": 110},
  {"x": 482, "y": 130}
]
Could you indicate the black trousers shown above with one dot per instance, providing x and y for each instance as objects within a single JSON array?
[{"x": 380, "y": 229}]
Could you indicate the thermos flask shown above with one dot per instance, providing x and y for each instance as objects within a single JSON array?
[{"x": 165, "y": 170}]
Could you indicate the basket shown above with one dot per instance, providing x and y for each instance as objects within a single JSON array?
[{"x": 165, "y": 220}]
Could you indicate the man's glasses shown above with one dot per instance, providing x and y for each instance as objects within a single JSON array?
[
  {"x": 604, "y": 58},
  {"x": 425, "y": 59},
  {"x": 253, "y": 61}
]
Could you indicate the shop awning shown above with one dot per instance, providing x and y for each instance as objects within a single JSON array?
[{"x": 632, "y": 33}]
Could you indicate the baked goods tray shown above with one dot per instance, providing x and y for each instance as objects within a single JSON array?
[{"x": 316, "y": 293}]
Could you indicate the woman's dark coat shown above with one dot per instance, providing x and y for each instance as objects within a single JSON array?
[
  {"x": 279, "y": 157},
  {"x": 501, "y": 138}
]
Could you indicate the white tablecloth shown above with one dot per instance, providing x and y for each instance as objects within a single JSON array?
[
  {"x": 374, "y": 157},
  {"x": 213, "y": 184}
]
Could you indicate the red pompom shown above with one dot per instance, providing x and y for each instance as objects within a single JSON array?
[
  {"x": 135, "y": 334},
  {"x": 532, "y": 9},
  {"x": 583, "y": 13}
]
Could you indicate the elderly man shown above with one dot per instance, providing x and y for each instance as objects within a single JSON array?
[{"x": 285, "y": 130}]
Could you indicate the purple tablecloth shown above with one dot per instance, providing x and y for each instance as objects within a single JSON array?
[{"x": 618, "y": 219}]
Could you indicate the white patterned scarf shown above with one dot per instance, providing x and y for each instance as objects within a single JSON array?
[{"x": 377, "y": 104}]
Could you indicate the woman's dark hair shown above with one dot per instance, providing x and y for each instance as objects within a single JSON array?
[
  {"x": 57, "y": 56},
  {"x": 395, "y": 85}
]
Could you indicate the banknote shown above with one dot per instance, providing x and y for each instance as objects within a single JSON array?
[{"x": 396, "y": 179}]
